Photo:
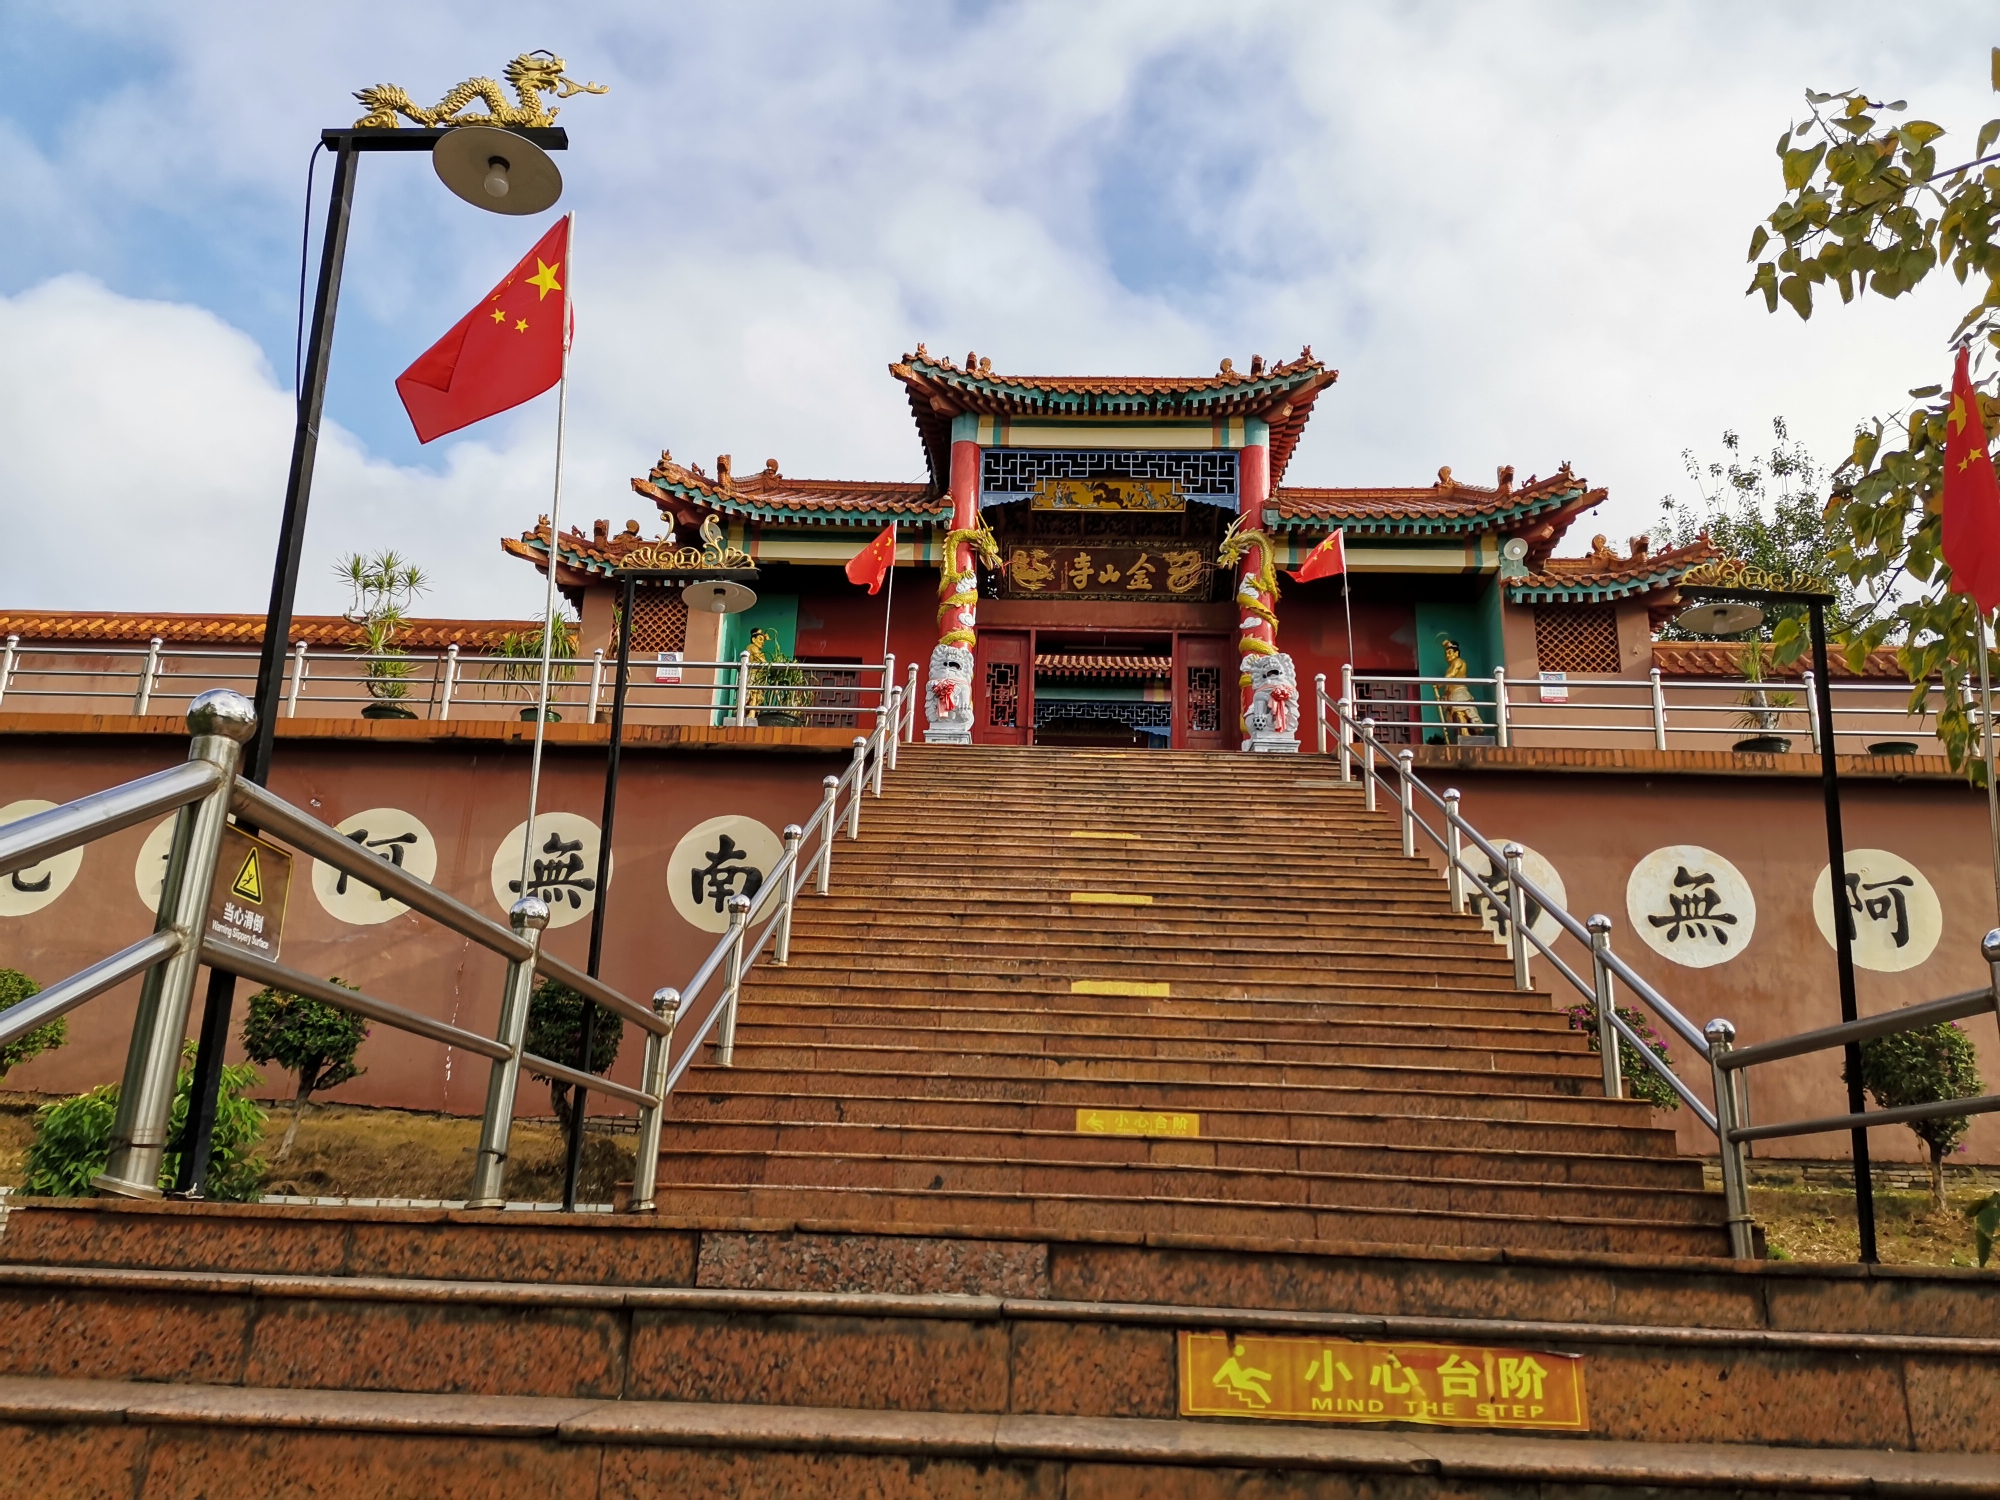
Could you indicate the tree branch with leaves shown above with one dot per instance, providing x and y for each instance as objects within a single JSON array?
[{"x": 1869, "y": 210}]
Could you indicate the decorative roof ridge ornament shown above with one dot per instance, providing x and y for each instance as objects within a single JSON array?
[
  {"x": 532, "y": 74},
  {"x": 715, "y": 552},
  {"x": 1735, "y": 573}
]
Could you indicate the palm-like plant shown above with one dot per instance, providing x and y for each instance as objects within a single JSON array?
[
  {"x": 385, "y": 586},
  {"x": 520, "y": 666}
]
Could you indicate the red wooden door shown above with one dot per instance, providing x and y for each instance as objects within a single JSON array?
[
  {"x": 1003, "y": 689},
  {"x": 1204, "y": 693}
]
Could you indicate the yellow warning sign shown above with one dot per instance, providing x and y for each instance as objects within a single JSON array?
[
  {"x": 1137, "y": 1122},
  {"x": 1296, "y": 1378},
  {"x": 248, "y": 883}
]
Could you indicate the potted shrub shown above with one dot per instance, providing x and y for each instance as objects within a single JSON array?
[
  {"x": 780, "y": 689},
  {"x": 384, "y": 587},
  {"x": 1766, "y": 708},
  {"x": 521, "y": 662}
]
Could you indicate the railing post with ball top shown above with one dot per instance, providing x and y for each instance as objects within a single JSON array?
[
  {"x": 1368, "y": 764},
  {"x": 596, "y": 683},
  {"x": 1989, "y": 949},
  {"x": 529, "y": 917},
  {"x": 895, "y": 722},
  {"x": 653, "y": 1080},
  {"x": 1319, "y": 708},
  {"x": 1721, "y": 1037},
  {"x": 830, "y": 790},
  {"x": 1454, "y": 853},
  {"x": 1503, "y": 734},
  {"x": 1517, "y": 916},
  {"x": 1346, "y": 711},
  {"x": 794, "y": 836},
  {"x": 222, "y": 723},
  {"x": 1606, "y": 1000},
  {"x": 1406, "y": 799},
  {"x": 299, "y": 677},
  {"x": 732, "y": 982},
  {"x": 1659, "y": 709},
  {"x": 860, "y": 780},
  {"x": 143, "y": 700}
]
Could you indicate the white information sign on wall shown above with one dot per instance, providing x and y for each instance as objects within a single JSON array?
[{"x": 1897, "y": 916}]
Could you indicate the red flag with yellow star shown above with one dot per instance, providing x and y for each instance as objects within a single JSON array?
[
  {"x": 872, "y": 563},
  {"x": 507, "y": 350},
  {"x": 1971, "y": 499}
]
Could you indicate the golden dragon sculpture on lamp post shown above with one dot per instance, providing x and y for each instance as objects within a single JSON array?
[{"x": 532, "y": 74}]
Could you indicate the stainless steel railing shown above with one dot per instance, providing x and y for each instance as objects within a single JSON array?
[
  {"x": 1511, "y": 712},
  {"x": 1361, "y": 755},
  {"x": 439, "y": 685},
  {"x": 205, "y": 792}
]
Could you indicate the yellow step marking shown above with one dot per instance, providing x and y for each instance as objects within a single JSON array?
[
  {"x": 1108, "y": 898},
  {"x": 1136, "y": 1122},
  {"x": 1087, "y": 833},
  {"x": 1117, "y": 987}
]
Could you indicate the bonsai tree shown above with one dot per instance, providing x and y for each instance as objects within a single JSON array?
[
  {"x": 73, "y": 1138},
  {"x": 385, "y": 586},
  {"x": 313, "y": 1041},
  {"x": 555, "y": 1031},
  {"x": 1926, "y": 1066},
  {"x": 1641, "y": 1082},
  {"x": 521, "y": 660},
  {"x": 14, "y": 988}
]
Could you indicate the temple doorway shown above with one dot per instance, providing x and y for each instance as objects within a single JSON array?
[{"x": 1122, "y": 689}]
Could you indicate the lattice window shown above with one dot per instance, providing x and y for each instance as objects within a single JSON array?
[
  {"x": 1576, "y": 637},
  {"x": 1003, "y": 694},
  {"x": 1013, "y": 472},
  {"x": 1133, "y": 715},
  {"x": 659, "y": 621},
  {"x": 836, "y": 701},
  {"x": 1204, "y": 699},
  {"x": 1393, "y": 707}
]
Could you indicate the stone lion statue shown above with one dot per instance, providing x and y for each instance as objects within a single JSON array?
[
  {"x": 948, "y": 697},
  {"x": 1273, "y": 716}
]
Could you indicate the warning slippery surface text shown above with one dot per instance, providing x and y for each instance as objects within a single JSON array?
[{"x": 1303, "y": 1379}]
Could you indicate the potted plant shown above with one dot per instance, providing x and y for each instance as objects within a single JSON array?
[
  {"x": 1766, "y": 708},
  {"x": 521, "y": 662},
  {"x": 780, "y": 689},
  {"x": 384, "y": 587}
]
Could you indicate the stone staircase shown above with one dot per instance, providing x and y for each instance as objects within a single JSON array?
[
  {"x": 888, "y": 1263},
  {"x": 1021, "y": 936}
]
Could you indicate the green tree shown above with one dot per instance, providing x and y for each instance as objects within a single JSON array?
[
  {"x": 1925, "y": 1066},
  {"x": 555, "y": 1031},
  {"x": 1868, "y": 209},
  {"x": 14, "y": 988},
  {"x": 313, "y": 1041},
  {"x": 73, "y": 1138}
]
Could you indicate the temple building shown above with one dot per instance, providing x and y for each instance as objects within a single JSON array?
[{"x": 1112, "y": 555}]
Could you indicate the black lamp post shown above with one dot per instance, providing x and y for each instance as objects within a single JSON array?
[
  {"x": 502, "y": 171},
  {"x": 1728, "y": 611}
]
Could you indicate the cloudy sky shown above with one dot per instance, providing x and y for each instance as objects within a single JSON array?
[{"x": 1516, "y": 229}]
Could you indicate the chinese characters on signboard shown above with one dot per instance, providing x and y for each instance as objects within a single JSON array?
[
  {"x": 1895, "y": 910},
  {"x": 1301, "y": 1378},
  {"x": 1690, "y": 906},
  {"x": 395, "y": 837},
  {"x": 723, "y": 857},
  {"x": 1170, "y": 571},
  {"x": 562, "y": 866},
  {"x": 23, "y": 892}
]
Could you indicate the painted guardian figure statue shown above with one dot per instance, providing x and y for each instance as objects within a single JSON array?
[
  {"x": 948, "y": 696},
  {"x": 1273, "y": 715}
]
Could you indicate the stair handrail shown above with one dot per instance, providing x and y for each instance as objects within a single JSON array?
[
  {"x": 735, "y": 954},
  {"x": 203, "y": 793}
]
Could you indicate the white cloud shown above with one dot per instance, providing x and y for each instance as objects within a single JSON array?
[{"x": 144, "y": 467}]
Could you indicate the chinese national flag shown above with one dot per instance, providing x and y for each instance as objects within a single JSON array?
[
  {"x": 1971, "y": 497},
  {"x": 872, "y": 563},
  {"x": 507, "y": 350},
  {"x": 1328, "y": 558}
]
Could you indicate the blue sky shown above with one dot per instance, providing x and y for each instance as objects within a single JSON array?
[{"x": 1517, "y": 230}]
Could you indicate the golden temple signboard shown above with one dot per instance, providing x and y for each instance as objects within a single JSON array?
[
  {"x": 1291, "y": 1378},
  {"x": 1108, "y": 572},
  {"x": 1110, "y": 492}
]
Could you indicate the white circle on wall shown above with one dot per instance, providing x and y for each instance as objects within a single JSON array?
[
  {"x": 1691, "y": 906},
  {"x": 393, "y": 836},
  {"x": 724, "y": 857},
  {"x": 1538, "y": 871},
  {"x": 26, "y": 891},
  {"x": 1897, "y": 917},
  {"x": 562, "y": 868},
  {"x": 149, "y": 870}
]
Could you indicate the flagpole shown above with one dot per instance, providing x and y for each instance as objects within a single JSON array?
[
  {"x": 888, "y": 608},
  {"x": 555, "y": 536},
  {"x": 1986, "y": 751},
  {"x": 1347, "y": 600}
]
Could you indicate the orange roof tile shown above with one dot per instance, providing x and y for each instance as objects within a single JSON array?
[
  {"x": 1540, "y": 511},
  {"x": 683, "y": 490},
  {"x": 138, "y": 628},
  {"x": 1725, "y": 659},
  {"x": 1087, "y": 664},
  {"x": 1605, "y": 575}
]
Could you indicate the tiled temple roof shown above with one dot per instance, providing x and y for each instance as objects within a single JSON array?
[
  {"x": 1539, "y": 512},
  {"x": 1090, "y": 664},
  {"x": 1603, "y": 575},
  {"x": 1725, "y": 659},
  {"x": 224, "y": 631},
  {"x": 1282, "y": 395},
  {"x": 683, "y": 492}
]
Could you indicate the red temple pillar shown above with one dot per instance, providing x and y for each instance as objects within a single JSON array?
[
  {"x": 1256, "y": 604},
  {"x": 948, "y": 694}
]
